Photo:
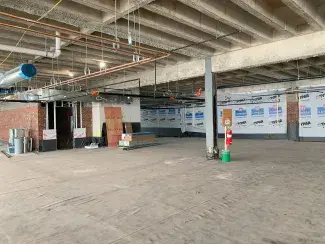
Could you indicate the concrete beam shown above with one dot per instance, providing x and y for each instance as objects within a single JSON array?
[
  {"x": 166, "y": 42},
  {"x": 232, "y": 16},
  {"x": 124, "y": 7},
  {"x": 193, "y": 18},
  {"x": 308, "y": 11},
  {"x": 164, "y": 24},
  {"x": 262, "y": 11},
  {"x": 298, "y": 47},
  {"x": 102, "y": 5}
]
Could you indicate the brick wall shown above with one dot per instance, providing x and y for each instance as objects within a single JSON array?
[
  {"x": 22, "y": 116},
  {"x": 292, "y": 112},
  {"x": 87, "y": 120}
]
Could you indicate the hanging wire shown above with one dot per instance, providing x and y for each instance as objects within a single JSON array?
[
  {"x": 72, "y": 63},
  {"x": 135, "y": 34},
  {"x": 101, "y": 35},
  {"x": 139, "y": 41},
  {"x": 115, "y": 21}
]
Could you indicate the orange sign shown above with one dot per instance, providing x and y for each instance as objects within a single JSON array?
[{"x": 227, "y": 117}]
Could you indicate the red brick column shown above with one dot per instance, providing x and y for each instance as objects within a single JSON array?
[
  {"x": 292, "y": 117},
  {"x": 292, "y": 112},
  {"x": 87, "y": 120}
]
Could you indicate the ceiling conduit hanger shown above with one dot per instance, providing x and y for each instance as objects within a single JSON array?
[{"x": 116, "y": 44}]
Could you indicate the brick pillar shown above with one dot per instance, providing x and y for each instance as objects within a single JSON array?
[
  {"x": 87, "y": 120},
  {"x": 41, "y": 125},
  {"x": 292, "y": 117}
]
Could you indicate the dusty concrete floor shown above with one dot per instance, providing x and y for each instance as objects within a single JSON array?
[{"x": 272, "y": 193}]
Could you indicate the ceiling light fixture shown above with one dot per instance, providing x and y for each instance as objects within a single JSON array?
[
  {"x": 102, "y": 64},
  {"x": 71, "y": 74}
]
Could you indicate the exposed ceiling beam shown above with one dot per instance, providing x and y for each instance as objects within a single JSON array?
[
  {"x": 193, "y": 18},
  {"x": 262, "y": 11},
  {"x": 164, "y": 24},
  {"x": 124, "y": 7},
  {"x": 233, "y": 17},
  {"x": 102, "y": 5},
  {"x": 308, "y": 11},
  {"x": 166, "y": 41}
]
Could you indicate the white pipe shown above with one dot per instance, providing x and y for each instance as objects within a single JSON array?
[{"x": 56, "y": 53}]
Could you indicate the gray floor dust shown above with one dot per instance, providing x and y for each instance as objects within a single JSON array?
[{"x": 271, "y": 193}]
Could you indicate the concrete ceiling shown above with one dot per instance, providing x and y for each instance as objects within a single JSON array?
[{"x": 167, "y": 25}]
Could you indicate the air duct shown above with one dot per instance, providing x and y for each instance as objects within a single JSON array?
[
  {"x": 22, "y": 72},
  {"x": 52, "y": 54}
]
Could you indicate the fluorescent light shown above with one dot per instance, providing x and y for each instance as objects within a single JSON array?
[
  {"x": 102, "y": 64},
  {"x": 71, "y": 74},
  {"x": 259, "y": 91},
  {"x": 311, "y": 86}
]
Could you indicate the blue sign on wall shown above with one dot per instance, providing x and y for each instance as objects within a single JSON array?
[
  {"x": 305, "y": 111},
  {"x": 321, "y": 111},
  {"x": 273, "y": 111},
  {"x": 199, "y": 115},
  {"x": 240, "y": 113},
  {"x": 257, "y": 112},
  {"x": 189, "y": 115}
]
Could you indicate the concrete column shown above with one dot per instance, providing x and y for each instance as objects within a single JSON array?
[
  {"x": 292, "y": 117},
  {"x": 212, "y": 151}
]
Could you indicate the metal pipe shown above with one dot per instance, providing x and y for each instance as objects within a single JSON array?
[
  {"x": 78, "y": 32},
  {"x": 22, "y": 72},
  {"x": 54, "y": 114}
]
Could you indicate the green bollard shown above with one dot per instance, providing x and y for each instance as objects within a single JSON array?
[{"x": 225, "y": 156}]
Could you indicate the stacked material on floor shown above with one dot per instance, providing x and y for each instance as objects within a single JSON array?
[
  {"x": 128, "y": 127},
  {"x": 132, "y": 140},
  {"x": 114, "y": 125}
]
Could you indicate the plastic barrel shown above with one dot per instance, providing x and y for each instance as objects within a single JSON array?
[
  {"x": 225, "y": 156},
  {"x": 19, "y": 145}
]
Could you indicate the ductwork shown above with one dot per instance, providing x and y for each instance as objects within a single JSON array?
[
  {"x": 22, "y": 72},
  {"x": 49, "y": 54}
]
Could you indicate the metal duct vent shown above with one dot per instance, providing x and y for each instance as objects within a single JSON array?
[{"x": 22, "y": 72}]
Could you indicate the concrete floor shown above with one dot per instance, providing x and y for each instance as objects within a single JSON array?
[{"x": 272, "y": 193}]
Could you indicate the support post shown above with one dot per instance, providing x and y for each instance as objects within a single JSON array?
[{"x": 212, "y": 151}]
